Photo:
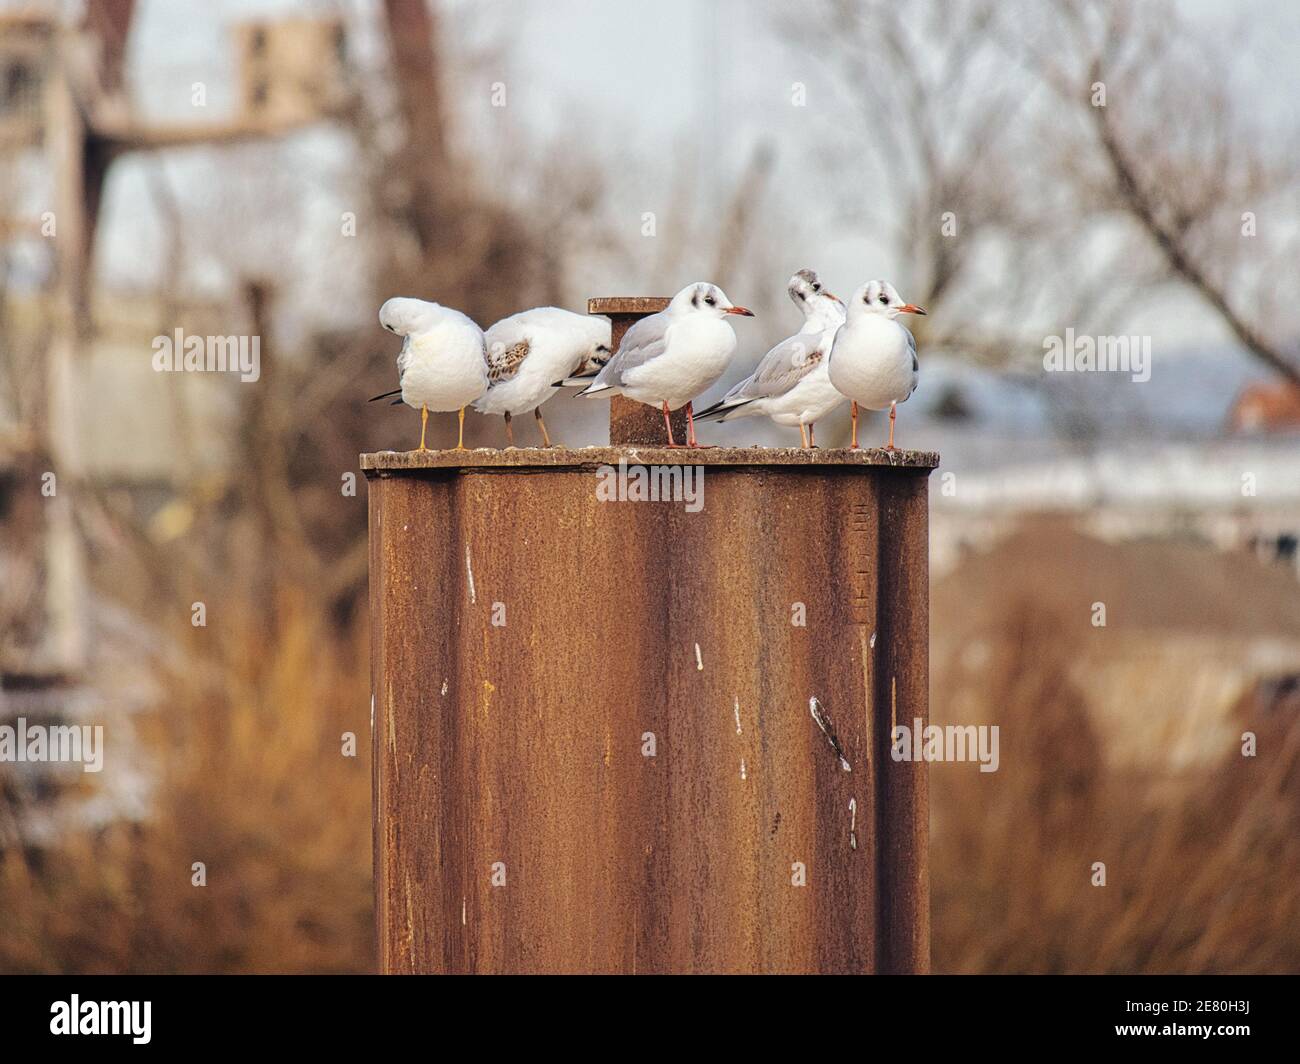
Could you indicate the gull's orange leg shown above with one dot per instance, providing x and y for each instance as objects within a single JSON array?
[
  {"x": 691, "y": 441},
  {"x": 892, "y": 414},
  {"x": 803, "y": 434},
  {"x": 537, "y": 413},
  {"x": 668, "y": 424},
  {"x": 854, "y": 444},
  {"x": 460, "y": 439},
  {"x": 812, "y": 439},
  {"x": 424, "y": 422}
]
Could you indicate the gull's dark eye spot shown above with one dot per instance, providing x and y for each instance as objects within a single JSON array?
[
  {"x": 710, "y": 300},
  {"x": 817, "y": 288},
  {"x": 884, "y": 298},
  {"x": 802, "y": 296}
]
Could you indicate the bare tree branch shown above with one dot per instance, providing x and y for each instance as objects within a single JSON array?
[{"x": 1142, "y": 205}]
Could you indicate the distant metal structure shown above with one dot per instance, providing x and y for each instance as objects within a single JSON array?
[
  {"x": 26, "y": 62},
  {"x": 42, "y": 565},
  {"x": 64, "y": 102},
  {"x": 628, "y": 737},
  {"x": 290, "y": 69}
]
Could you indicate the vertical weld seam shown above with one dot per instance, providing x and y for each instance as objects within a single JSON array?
[
  {"x": 375, "y": 500},
  {"x": 451, "y": 732},
  {"x": 885, "y": 633}
]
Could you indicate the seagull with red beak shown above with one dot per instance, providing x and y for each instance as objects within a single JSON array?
[
  {"x": 873, "y": 360},
  {"x": 667, "y": 359}
]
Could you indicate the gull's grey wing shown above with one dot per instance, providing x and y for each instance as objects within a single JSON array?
[
  {"x": 646, "y": 339},
  {"x": 916, "y": 366},
  {"x": 782, "y": 368}
]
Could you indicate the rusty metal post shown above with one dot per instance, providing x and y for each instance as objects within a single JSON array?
[
  {"x": 595, "y": 746},
  {"x": 631, "y": 422}
]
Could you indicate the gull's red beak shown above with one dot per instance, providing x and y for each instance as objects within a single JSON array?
[
  {"x": 832, "y": 295},
  {"x": 740, "y": 310},
  {"x": 911, "y": 308}
]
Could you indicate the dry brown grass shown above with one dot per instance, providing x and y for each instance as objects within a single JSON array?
[
  {"x": 254, "y": 785},
  {"x": 1203, "y": 876}
]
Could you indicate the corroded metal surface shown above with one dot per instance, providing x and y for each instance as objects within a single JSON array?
[
  {"x": 521, "y": 824},
  {"x": 591, "y": 457},
  {"x": 626, "y": 306},
  {"x": 630, "y": 421}
]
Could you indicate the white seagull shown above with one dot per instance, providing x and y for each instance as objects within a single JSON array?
[
  {"x": 873, "y": 359},
  {"x": 528, "y": 350},
  {"x": 791, "y": 385},
  {"x": 669, "y": 358},
  {"x": 443, "y": 361}
]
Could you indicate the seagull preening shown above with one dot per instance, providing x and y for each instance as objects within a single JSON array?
[
  {"x": 873, "y": 359},
  {"x": 443, "y": 362},
  {"x": 669, "y": 358},
  {"x": 791, "y": 384},
  {"x": 528, "y": 350}
]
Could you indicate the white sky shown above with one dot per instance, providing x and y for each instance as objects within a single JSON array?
[{"x": 637, "y": 81}]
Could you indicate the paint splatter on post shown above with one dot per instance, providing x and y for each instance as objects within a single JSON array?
[{"x": 827, "y": 726}]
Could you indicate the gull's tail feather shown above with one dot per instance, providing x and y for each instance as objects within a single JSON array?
[
  {"x": 386, "y": 395},
  {"x": 595, "y": 389},
  {"x": 722, "y": 410},
  {"x": 575, "y": 382},
  {"x": 709, "y": 411}
]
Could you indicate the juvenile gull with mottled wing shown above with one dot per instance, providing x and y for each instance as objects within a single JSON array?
[{"x": 527, "y": 351}]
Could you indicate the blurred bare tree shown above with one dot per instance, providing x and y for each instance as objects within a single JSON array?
[
  {"x": 1183, "y": 159},
  {"x": 1018, "y": 204},
  {"x": 937, "y": 151}
]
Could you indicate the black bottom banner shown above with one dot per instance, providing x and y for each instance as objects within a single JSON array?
[{"x": 1226, "y": 1015}]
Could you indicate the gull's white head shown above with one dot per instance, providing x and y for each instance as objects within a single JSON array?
[
  {"x": 880, "y": 297},
  {"x": 704, "y": 298},
  {"x": 404, "y": 316},
  {"x": 814, "y": 301}
]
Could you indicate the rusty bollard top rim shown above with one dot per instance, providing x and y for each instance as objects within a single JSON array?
[
  {"x": 627, "y": 304},
  {"x": 381, "y": 462}
]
